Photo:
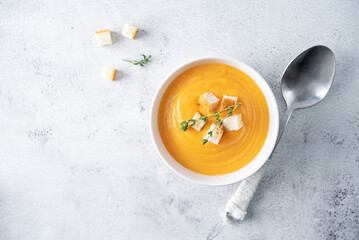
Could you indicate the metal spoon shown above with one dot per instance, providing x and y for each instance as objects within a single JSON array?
[{"x": 305, "y": 82}]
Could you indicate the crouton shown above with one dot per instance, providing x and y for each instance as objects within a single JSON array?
[
  {"x": 233, "y": 123},
  {"x": 217, "y": 133},
  {"x": 207, "y": 103},
  {"x": 129, "y": 31},
  {"x": 199, "y": 123},
  {"x": 109, "y": 74},
  {"x": 103, "y": 38},
  {"x": 228, "y": 101}
]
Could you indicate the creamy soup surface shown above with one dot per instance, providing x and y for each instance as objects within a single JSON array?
[{"x": 180, "y": 103}]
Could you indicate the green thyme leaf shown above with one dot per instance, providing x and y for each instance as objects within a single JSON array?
[
  {"x": 230, "y": 111},
  {"x": 220, "y": 122},
  {"x": 184, "y": 126},
  {"x": 204, "y": 141},
  {"x": 192, "y": 122},
  {"x": 204, "y": 118}
]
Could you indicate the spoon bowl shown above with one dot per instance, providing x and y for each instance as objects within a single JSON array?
[
  {"x": 306, "y": 81},
  {"x": 308, "y": 77}
]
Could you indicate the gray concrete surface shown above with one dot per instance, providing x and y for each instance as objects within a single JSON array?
[{"x": 76, "y": 160}]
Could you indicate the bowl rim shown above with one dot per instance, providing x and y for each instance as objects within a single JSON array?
[{"x": 240, "y": 174}]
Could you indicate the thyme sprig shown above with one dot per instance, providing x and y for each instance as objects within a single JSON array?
[
  {"x": 219, "y": 121},
  {"x": 142, "y": 62},
  {"x": 191, "y": 122}
]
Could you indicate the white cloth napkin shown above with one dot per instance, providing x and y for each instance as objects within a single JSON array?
[{"x": 236, "y": 208}]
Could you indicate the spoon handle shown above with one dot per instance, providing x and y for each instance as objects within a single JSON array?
[
  {"x": 282, "y": 124},
  {"x": 236, "y": 208}
]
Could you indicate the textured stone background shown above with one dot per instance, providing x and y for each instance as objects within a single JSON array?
[{"x": 76, "y": 160}]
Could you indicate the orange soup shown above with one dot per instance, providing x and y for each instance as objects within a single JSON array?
[{"x": 180, "y": 103}]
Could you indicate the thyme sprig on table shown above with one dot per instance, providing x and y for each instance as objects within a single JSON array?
[
  {"x": 192, "y": 122},
  {"x": 142, "y": 62}
]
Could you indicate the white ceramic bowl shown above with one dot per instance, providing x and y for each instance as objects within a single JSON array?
[{"x": 240, "y": 174}]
